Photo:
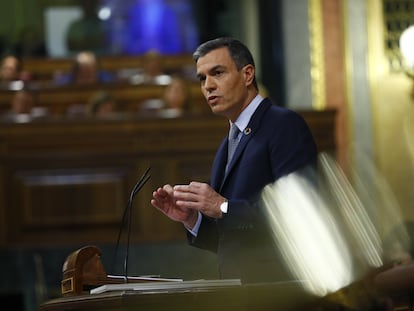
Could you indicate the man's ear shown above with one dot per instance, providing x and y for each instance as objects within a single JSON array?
[{"x": 248, "y": 72}]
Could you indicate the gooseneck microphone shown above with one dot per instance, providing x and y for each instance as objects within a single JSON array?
[{"x": 127, "y": 216}]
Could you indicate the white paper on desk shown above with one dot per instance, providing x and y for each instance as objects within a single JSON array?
[
  {"x": 167, "y": 285},
  {"x": 145, "y": 278}
]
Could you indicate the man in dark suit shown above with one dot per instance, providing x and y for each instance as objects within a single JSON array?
[{"x": 225, "y": 216}]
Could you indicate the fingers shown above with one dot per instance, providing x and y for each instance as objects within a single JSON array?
[
  {"x": 193, "y": 187},
  {"x": 193, "y": 196},
  {"x": 163, "y": 192},
  {"x": 162, "y": 196},
  {"x": 187, "y": 194},
  {"x": 190, "y": 196},
  {"x": 168, "y": 188},
  {"x": 155, "y": 204},
  {"x": 185, "y": 199}
]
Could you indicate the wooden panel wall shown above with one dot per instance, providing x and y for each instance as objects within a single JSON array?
[{"x": 68, "y": 181}]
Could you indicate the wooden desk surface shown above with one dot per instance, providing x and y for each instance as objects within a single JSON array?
[{"x": 281, "y": 296}]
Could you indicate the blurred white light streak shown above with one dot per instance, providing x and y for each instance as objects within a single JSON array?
[
  {"x": 333, "y": 231},
  {"x": 349, "y": 205},
  {"x": 407, "y": 47},
  {"x": 307, "y": 236}
]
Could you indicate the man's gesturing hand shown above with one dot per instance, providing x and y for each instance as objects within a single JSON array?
[
  {"x": 164, "y": 200},
  {"x": 199, "y": 197}
]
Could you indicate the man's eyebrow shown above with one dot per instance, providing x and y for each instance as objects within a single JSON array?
[
  {"x": 212, "y": 69},
  {"x": 216, "y": 67}
]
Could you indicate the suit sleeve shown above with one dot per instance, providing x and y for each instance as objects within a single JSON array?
[{"x": 208, "y": 233}]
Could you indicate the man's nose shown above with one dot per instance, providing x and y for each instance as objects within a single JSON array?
[{"x": 209, "y": 84}]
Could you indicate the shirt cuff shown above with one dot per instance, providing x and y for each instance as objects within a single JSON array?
[{"x": 194, "y": 231}]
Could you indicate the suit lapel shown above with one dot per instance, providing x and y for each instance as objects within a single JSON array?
[
  {"x": 248, "y": 133},
  {"x": 219, "y": 165}
]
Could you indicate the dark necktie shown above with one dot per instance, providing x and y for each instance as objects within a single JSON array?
[{"x": 233, "y": 141}]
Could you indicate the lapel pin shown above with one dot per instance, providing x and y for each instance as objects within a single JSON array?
[{"x": 247, "y": 131}]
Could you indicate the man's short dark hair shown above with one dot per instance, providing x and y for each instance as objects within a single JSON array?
[{"x": 239, "y": 52}]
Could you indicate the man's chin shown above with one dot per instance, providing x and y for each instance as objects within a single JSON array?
[{"x": 216, "y": 109}]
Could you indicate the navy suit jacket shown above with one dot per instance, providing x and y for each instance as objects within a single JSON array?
[{"x": 276, "y": 142}]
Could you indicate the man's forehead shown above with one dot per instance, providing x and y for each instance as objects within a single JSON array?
[{"x": 218, "y": 57}]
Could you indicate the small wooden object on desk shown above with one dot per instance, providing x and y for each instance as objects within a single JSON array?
[{"x": 83, "y": 270}]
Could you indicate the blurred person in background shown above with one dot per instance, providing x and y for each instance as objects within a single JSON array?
[
  {"x": 23, "y": 107},
  {"x": 101, "y": 104},
  {"x": 23, "y": 102},
  {"x": 152, "y": 71},
  {"x": 10, "y": 68},
  {"x": 85, "y": 70},
  {"x": 176, "y": 97}
]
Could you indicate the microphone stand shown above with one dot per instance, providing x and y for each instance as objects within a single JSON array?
[{"x": 128, "y": 211}]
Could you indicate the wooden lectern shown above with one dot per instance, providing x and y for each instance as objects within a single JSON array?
[
  {"x": 389, "y": 289},
  {"x": 83, "y": 271}
]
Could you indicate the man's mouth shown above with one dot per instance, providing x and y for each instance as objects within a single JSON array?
[{"x": 212, "y": 100}]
